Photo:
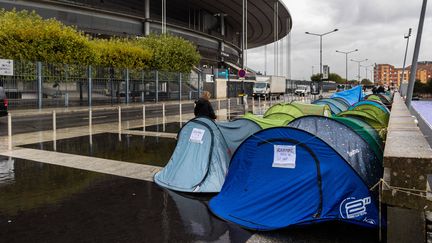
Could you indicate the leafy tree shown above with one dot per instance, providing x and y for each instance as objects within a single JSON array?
[
  {"x": 366, "y": 81},
  {"x": 170, "y": 53},
  {"x": 332, "y": 77},
  {"x": 419, "y": 87},
  {"x": 121, "y": 53},
  {"x": 26, "y": 36}
]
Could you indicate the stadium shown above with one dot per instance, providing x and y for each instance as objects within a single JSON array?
[{"x": 214, "y": 26}]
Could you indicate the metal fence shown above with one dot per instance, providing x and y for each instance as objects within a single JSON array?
[{"x": 38, "y": 85}]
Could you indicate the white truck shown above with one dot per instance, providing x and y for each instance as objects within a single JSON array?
[
  {"x": 269, "y": 86},
  {"x": 302, "y": 90}
]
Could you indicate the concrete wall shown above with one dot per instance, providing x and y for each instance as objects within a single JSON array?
[{"x": 407, "y": 164}]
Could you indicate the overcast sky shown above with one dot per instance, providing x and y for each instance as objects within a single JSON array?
[{"x": 375, "y": 27}]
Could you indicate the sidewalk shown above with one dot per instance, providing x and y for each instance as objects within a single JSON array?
[{"x": 60, "y": 110}]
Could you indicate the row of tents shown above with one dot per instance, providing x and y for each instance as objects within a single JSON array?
[{"x": 298, "y": 164}]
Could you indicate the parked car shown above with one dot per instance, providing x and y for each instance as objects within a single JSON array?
[
  {"x": 302, "y": 90},
  {"x": 3, "y": 102}
]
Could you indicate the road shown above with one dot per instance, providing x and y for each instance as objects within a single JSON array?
[{"x": 25, "y": 124}]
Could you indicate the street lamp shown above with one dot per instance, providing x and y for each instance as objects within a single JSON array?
[
  {"x": 346, "y": 61},
  {"x": 402, "y": 90},
  {"x": 320, "y": 36},
  {"x": 366, "y": 67},
  {"x": 359, "y": 62}
]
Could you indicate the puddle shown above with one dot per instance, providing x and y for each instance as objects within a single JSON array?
[
  {"x": 136, "y": 149},
  {"x": 172, "y": 127},
  {"x": 48, "y": 203}
]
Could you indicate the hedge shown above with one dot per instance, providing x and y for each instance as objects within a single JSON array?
[{"x": 26, "y": 36}]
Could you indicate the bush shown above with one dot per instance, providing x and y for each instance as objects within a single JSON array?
[
  {"x": 121, "y": 53},
  {"x": 170, "y": 53},
  {"x": 26, "y": 36}
]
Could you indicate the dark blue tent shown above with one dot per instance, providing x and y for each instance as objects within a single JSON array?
[
  {"x": 352, "y": 96},
  {"x": 285, "y": 176}
]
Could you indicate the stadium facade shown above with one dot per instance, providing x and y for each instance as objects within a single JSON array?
[{"x": 215, "y": 26}]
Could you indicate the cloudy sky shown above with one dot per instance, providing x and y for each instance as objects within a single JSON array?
[{"x": 375, "y": 27}]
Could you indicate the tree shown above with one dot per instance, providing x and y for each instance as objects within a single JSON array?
[
  {"x": 170, "y": 53},
  {"x": 121, "y": 53},
  {"x": 26, "y": 36},
  {"x": 366, "y": 81},
  {"x": 316, "y": 77},
  {"x": 419, "y": 87}
]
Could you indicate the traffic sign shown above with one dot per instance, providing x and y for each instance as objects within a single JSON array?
[
  {"x": 242, "y": 73},
  {"x": 6, "y": 67}
]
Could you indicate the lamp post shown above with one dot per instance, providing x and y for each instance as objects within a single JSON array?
[
  {"x": 402, "y": 90},
  {"x": 346, "y": 61},
  {"x": 415, "y": 56},
  {"x": 321, "y": 36},
  {"x": 359, "y": 62},
  {"x": 366, "y": 67}
]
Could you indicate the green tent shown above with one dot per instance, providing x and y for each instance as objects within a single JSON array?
[
  {"x": 368, "y": 133},
  {"x": 373, "y": 110},
  {"x": 313, "y": 109},
  {"x": 374, "y": 98},
  {"x": 265, "y": 123},
  {"x": 284, "y": 112},
  {"x": 379, "y": 125}
]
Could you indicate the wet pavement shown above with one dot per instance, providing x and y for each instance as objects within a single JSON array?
[
  {"x": 130, "y": 148},
  {"x": 47, "y": 203},
  {"x": 172, "y": 127}
]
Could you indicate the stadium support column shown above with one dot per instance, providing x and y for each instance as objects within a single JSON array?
[{"x": 147, "y": 18}]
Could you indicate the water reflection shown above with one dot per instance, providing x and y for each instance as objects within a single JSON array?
[
  {"x": 7, "y": 174},
  {"x": 136, "y": 149},
  {"x": 198, "y": 220},
  {"x": 50, "y": 203}
]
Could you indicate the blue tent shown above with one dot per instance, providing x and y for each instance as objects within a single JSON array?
[
  {"x": 336, "y": 106},
  {"x": 352, "y": 96},
  {"x": 201, "y": 158},
  {"x": 285, "y": 176}
]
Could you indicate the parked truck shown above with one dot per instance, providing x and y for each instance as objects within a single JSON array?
[{"x": 269, "y": 86}]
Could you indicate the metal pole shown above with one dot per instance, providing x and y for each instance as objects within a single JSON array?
[
  {"x": 90, "y": 88},
  {"x": 180, "y": 114},
  {"x": 144, "y": 117},
  {"x": 119, "y": 119},
  {"x": 229, "y": 108},
  {"x": 404, "y": 63},
  {"x": 163, "y": 116},
  {"x": 9, "y": 131},
  {"x": 90, "y": 119},
  {"x": 127, "y": 86},
  {"x": 39, "y": 83},
  {"x": 321, "y": 74},
  {"x": 157, "y": 87},
  {"x": 416, "y": 54},
  {"x": 54, "y": 121},
  {"x": 180, "y": 87},
  {"x": 346, "y": 67}
]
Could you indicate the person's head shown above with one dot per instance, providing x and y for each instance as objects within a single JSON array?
[{"x": 205, "y": 95}]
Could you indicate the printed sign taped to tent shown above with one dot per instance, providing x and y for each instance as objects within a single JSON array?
[
  {"x": 197, "y": 135},
  {"x": 284, "y": 156}
]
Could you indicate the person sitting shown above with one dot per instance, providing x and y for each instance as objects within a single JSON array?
[{"x": 203, "y": 106}]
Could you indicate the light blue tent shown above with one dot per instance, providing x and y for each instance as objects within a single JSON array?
[
  {"x": 352, "y": 96},
  {"x": 201, "y": 158}
]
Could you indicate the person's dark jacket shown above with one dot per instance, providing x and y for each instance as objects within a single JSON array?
[
  {"x": 204, "y": 108},
  {"x": 380, "y": 89}
]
